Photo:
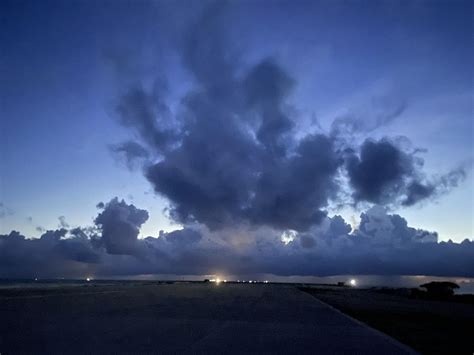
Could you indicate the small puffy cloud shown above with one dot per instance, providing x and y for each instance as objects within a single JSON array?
[
  {"x": 62, "y": 222},
  {"x": 132, "y": 152},
  {"x": 383, "y": 228},
  {"x": 120, "y": 225},
  {"x": 5, "y": 211}
]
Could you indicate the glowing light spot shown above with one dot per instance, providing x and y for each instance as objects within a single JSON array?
[
  {"x": 88, "y": 279},
  {"x": 288, "y": 236},
  {"x": 218, "y": 281},
  {"x": 353, "y": 282}
]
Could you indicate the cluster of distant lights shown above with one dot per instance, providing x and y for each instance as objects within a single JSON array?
[
  {"x": 218, "y": 281},
  {"x": 352, "y": 282},
  {"x": 88, "y": 279}
]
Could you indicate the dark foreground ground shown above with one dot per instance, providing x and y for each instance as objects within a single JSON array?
[
  {"x": 179, "y": 318},
  {"x": 428, "y": 326}
]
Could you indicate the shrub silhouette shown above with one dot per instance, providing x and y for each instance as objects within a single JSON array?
[{"x": 440, "y": 289}]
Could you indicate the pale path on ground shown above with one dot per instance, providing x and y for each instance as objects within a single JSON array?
[{"x": 183, "y": 318}]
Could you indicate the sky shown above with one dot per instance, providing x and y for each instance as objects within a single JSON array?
[{"x": 191, "y": 137}]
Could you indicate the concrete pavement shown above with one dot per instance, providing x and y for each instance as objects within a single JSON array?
[{"x": 182, "y": 318}]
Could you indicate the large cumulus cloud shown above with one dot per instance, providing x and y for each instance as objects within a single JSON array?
[{"x": 228, "y": 152}]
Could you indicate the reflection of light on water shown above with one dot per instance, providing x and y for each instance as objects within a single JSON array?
[{"x": 353, "y": 282}]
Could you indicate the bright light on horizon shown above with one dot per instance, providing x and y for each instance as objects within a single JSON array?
[{"x": 353, "y": 282}]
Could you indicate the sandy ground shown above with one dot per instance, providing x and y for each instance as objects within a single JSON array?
[
  {"x": 430, "y": 327},
  {"x": 179, "y": 318}
]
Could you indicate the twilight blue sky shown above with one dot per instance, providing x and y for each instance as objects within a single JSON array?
[
  {"x": 65, "y": 64},
  {"x": 58, "y": 83}
]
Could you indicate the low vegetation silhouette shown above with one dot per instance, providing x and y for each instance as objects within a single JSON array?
[{"x": 440, "y": 289}]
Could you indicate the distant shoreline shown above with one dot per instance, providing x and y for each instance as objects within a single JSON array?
[{"x": 52, "y": 282}]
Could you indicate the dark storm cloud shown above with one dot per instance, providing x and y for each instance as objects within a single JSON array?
[
  {"x": 380, "y": 172},
  {"x": 235, "y": 158},
  {"x": 384, "y": 173},
  {"x": 51, "y": 255},
  {"x": 291, "y": 193},
  {"x": 266, "y": 88},
  {"x": 78, "y": 249},
  {"x": 229, "y": 154}
]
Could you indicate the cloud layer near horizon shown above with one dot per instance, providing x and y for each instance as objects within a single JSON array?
[{"x": 382, "y": 244}]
